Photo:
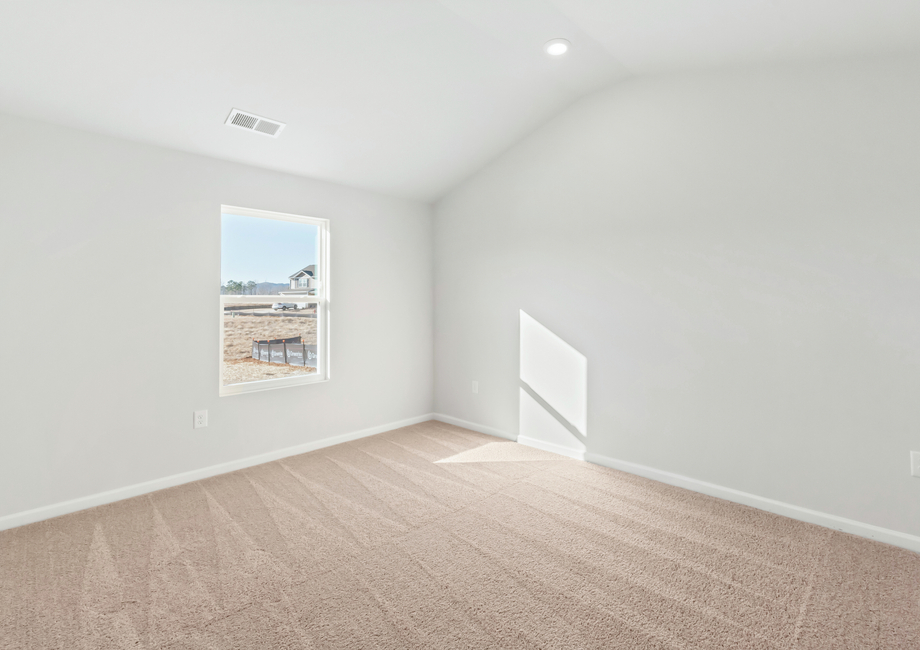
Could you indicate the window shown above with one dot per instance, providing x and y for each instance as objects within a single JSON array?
[{"x": 274, "y": 291}]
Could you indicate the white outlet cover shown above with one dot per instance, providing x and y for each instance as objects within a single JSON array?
[
  {"x": 915, "y": 463},
  {"x": 201, "y": 419}
]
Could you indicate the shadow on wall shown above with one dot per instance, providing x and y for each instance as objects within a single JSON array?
[{"x": 553, "y": 393}]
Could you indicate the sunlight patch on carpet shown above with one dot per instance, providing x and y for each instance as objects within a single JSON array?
[{"x": 501, "y": 452}]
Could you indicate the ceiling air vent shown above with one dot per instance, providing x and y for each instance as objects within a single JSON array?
[{"x": 251, "y": 122}]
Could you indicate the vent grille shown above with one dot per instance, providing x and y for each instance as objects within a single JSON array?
[
  {"x": 242, "y": 120},
  {"x": 266, "y": 127},
  {"x": 245, "y": 121}
]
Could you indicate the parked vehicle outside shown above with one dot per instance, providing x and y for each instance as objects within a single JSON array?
[{"x": 283, "y": 306}]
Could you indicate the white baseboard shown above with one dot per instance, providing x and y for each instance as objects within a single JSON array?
[
  {"x": 119, "y": 494},
  {"x": 869, "y": 531},
  {"x": 577, "y": 454},
  {"x": 472, "y": 426},
  {"x": 893, "y": 537}
]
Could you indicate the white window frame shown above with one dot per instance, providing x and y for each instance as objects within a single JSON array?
[{"x": 320, "y": 299}]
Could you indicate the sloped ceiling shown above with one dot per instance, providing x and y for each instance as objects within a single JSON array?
[{"x": 406, "y": 97}]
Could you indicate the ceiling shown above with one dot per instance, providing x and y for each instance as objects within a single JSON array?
[{"x": 405, "y": 97}]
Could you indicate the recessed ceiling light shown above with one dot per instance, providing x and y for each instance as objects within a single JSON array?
[{"x": 557, "y": 47}]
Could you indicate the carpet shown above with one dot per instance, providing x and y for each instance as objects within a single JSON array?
[{"x": 433, "y": 536}]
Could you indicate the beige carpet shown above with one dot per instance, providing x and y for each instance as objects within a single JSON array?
[{"x": 437, "y": 537}]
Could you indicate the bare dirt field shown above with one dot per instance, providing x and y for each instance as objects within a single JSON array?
[{"x": 240, "y": 330}]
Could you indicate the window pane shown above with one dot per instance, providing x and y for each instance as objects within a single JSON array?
[
  {"x": 276, "y": 256},
  {"x": 269, "y": 340},
  {"x": 267, "y": 257}
]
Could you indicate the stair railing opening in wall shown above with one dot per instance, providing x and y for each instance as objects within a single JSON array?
[{"x": 274, "y": 300}]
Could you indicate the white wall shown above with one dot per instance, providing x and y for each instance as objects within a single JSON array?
[
  {"x": 737, "y": 254},
  {"x": 109, "y": 241}
]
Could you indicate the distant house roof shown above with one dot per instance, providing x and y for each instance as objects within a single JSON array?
[{"x": 307, "y": 270}]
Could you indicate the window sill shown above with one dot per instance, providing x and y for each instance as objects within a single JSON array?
[{"x": 270, "y": 384}]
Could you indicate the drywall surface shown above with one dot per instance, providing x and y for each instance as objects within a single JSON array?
[
  {"x": 737, "y": 255},
  {"x": 105, "y": 240}
]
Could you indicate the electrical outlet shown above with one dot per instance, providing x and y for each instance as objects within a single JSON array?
[
  {"x": 915, "y": 463},
  {"x": 201, "y": 419},
  {"x": 475, "y": 387}
]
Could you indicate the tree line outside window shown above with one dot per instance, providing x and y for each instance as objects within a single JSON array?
[{"x": 250, "y": 288}]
